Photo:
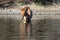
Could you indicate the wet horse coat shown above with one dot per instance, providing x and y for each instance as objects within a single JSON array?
[{"x": 26, "y": 14}]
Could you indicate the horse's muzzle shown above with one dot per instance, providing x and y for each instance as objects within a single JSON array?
[{"x": 26, "y": 19}]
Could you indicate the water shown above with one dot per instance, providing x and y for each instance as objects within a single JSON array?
[{"x": 42, "y": 29}]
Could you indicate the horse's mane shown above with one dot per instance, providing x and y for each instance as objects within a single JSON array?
[{"x": 25, "y": 10}]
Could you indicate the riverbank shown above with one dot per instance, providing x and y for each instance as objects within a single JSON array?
[
  {"x": 34, "y": 7},
  {"x": 38, "y": 8}
]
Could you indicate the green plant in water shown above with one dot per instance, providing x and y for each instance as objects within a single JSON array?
[{"x": 21, "y": 3}]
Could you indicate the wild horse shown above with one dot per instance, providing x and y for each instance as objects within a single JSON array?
[{"x": 26, "y": 13}]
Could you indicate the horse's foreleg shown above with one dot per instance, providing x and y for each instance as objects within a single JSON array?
[{"x": 24, "y": 19}]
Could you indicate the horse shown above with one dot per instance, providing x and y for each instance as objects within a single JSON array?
[{"x": 26, "y": 13}]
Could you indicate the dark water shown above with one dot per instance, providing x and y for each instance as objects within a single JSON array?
[{"x": 43, "y": 29}]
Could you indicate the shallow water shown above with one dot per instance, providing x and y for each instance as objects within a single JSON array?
[{"x": 43, "y": 29}]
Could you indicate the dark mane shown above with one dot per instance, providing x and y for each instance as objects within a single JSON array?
[{"x": 26, "y": 13}]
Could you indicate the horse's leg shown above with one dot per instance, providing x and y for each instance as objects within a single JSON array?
[{"x": 24, "y": 19}]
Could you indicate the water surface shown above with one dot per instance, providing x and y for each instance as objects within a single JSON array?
[{"x": 42, "y": 29}]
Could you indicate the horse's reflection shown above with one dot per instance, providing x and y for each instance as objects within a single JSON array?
[
  {"x": 28, "y": 29},
  {"x": 25, "y": 30}
]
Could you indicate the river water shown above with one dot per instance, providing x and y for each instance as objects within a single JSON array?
[{"x": 42, "y": 29}]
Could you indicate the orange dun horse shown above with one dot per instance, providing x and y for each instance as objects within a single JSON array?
[{"x": 26, "y": 14}]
